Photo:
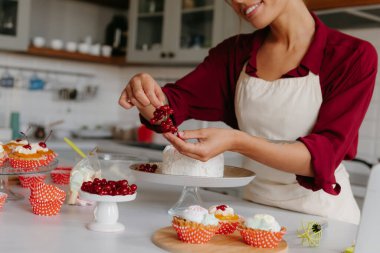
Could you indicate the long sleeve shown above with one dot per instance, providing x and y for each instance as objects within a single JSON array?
[{"x": 335, "y": 134}]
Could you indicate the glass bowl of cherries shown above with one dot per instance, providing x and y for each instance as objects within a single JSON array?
[{"x": 106, "y": 194}]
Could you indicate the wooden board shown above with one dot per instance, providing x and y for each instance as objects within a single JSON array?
[{"x": 166, "y": 238}]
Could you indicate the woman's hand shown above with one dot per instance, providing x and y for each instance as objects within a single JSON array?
[
  {"x": 211, "y": 142},
  {"x": 142, "y": 91}
]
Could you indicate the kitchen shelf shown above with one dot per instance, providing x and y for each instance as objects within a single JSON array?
[{"x": 61, "y": 54}]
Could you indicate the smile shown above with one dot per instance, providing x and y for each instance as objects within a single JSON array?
[{"x": 250, "y": 10}]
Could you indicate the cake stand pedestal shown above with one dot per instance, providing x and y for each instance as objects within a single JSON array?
[
  {"x": 106, "y": 213},
  {"x": 233, "y": 177},
  {"x": 6, "y": 170}
]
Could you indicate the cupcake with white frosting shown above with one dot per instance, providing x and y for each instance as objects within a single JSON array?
[
  {"x": 11, "y": 145},
  {"x": 3, "y": 154},
  {"x": 228, "y": 220},
  {"x": 262, "y": 231},
  {"x": 27, "y": 157},
  {"x": 195, "y": 225}
]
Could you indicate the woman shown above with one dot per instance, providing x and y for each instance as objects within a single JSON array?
[{"x": 295, "y": 93}]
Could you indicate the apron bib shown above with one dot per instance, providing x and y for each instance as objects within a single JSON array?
[{"x": 286, "y": 109}]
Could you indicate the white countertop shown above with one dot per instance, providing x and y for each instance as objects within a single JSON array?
[{"x": 22, "y": 231}]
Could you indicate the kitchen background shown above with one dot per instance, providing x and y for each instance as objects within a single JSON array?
[{"x": 66, "y": 60}]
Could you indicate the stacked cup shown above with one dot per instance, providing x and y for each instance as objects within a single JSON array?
[{"x": 46, "y": 199}]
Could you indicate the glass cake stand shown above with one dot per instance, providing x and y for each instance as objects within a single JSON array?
[
  {"x": 233, "y": 177},
  {"x": 6, "y": 170}
]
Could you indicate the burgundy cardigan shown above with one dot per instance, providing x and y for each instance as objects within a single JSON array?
[{"x": 347, "y": 69}]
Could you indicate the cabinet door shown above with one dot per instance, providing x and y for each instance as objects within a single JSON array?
[
  {"x": 199, "y": 28},
  {"x": 14, "y": 24},
  {"x": 146, "y": 30}
]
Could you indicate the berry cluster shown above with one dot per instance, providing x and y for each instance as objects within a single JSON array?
[
  {"x": 148, "y": 167},
  {"x": 113, "y": 188},
  {"x": 163, "y": 114},
  {"x": 221, "y": 207}
]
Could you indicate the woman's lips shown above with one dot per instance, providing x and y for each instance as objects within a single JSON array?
[{"x": 250, "y": 10}]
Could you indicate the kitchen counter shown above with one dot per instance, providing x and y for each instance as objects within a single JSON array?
[{"x": 22, "y": 231}]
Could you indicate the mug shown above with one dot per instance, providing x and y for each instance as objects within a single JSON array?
[
  {"x": 71, "y": 46},
  {"x": 83, "y": 48},
  {"x": 38, "y": 42},
  {"x": 106, "y": 51}
]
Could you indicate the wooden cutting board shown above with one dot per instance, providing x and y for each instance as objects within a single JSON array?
[{"x": 166, "y": 238}]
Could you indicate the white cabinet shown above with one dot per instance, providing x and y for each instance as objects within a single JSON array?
[
  {"x": 173, "y": 31},
  {"x": 14, "y": 24}
]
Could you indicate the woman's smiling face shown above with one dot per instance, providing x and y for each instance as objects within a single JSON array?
[{"x": 259, "y": 13}]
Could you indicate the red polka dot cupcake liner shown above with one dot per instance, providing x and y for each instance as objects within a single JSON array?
[
  {"x": 261, "y": 238},
  {"x": 2, "y": 161},
  {"x": 42, "y": 192},
  {"x": 227, "y": 227},
  {"x": 61, "y": 176},
  {"x": 28, "y": 181},
  {"x": 3, "y": 198},
  {"x": 190, "y": 232},
  {"x": 48, "y": 208},
  {"x": 27, "y": 163}
]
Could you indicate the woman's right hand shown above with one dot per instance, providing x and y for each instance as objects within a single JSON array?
[{"x": 143, "y": 92}]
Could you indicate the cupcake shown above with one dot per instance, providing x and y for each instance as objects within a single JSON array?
[
  {"x": 195, "y": 225},
  {"x": 43, "y": 150},
  {"x": 10, "y": 146},
  {"x": 262, "y": 231},
  {"x": 3, "y": 154},
  {"x": 228, "y": 220},
  {"x": 27, "y": 157}
]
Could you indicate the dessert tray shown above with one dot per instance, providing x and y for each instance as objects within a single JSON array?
[
  {"x": 6, "y": 170},
  {"x": 106, "y": 213},
  {"x": 233, "y": 177},
  {"x": 166, "y": 238}
]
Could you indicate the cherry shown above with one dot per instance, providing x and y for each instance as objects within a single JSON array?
[
  {"x": 221, "y": 207},
  {"x": 27, "y": 146},
  {"x": 43, "y": 143},
  {"x": 133, "y": 187}
]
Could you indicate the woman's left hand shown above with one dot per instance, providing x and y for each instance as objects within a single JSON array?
[{"x": 211, "y": 142}]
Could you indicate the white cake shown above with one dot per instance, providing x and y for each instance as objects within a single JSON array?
[{"x": 174, "y": 163}]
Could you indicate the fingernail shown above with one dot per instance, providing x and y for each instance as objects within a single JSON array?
[{"x": 181, "y": 133}]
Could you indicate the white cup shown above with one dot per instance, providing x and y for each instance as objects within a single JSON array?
[
  {"x": 39, "y": 41},
  {"x": 56, "y": 44},
  {"x": 95, "y": 49},
  {"x": 71, "y": 46},
  {"x": 106, "y": 51},
  {"x": 83, "y": 48}
]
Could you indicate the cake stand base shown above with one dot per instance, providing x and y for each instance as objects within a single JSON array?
[
  {"x": 5, "y": 189},
  {"x": 189, "y": 196},
  {"x": 99, "y": 227}
]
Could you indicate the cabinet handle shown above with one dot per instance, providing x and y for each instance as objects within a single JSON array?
[
  {"x": 171, "y": 55},
  {"x": 163, "y": 55}
]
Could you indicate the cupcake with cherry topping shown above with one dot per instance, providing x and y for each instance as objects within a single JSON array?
[
  {"x": 27, "y": 157},
  {"x": 43, "y": 150},
  {"x": 10, "y": 146},
  {"x": 195, "y": 225},
  {"x": 262, "y": 231},
  {"x": 3, "y": 155},
  {"x": 228, "y": 220}
]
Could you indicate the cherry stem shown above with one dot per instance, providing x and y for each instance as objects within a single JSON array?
[
  {"x": 26, "y": 137},
  {"x": 47, "y": 137}
]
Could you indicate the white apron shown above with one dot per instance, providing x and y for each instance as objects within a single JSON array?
[{"x": 286, "y": 109}]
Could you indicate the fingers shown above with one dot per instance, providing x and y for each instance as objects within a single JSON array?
[
  {"x": 124, "y": 101},
  {"x": 185, "y": 148},
  {"x": 141, "y": 91},
  {"x": 193, "y": 134}
]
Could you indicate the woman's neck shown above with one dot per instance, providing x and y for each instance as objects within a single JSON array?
[{"x": 294, "y": 26}]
